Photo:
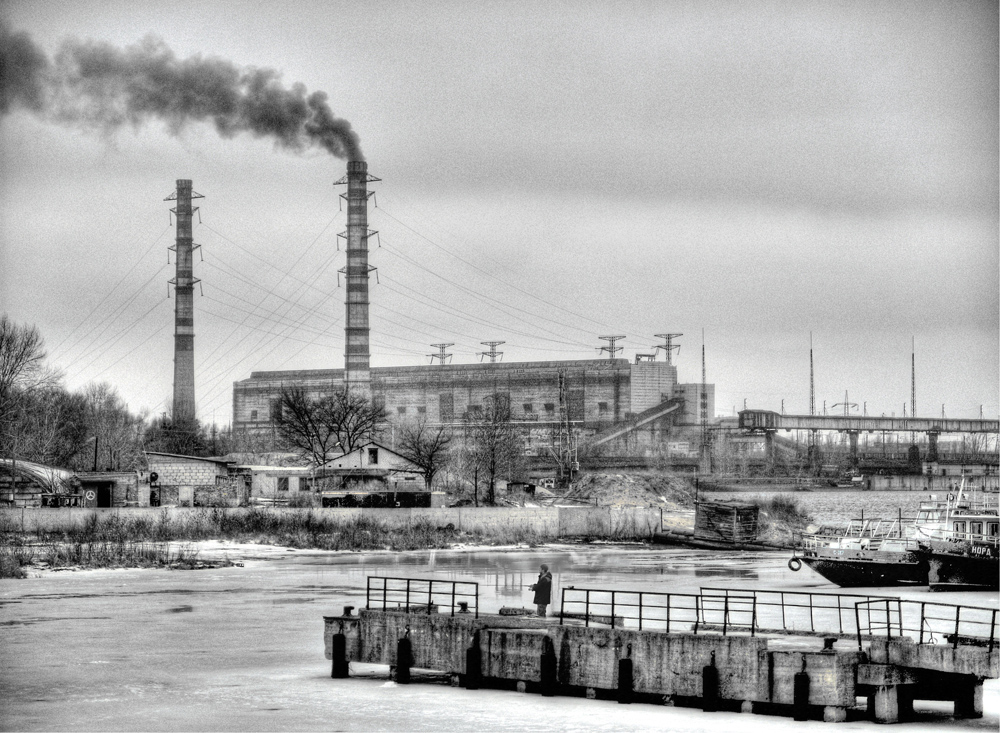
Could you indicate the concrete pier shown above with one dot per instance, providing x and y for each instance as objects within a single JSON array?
[{"x": 747, "y": 671}]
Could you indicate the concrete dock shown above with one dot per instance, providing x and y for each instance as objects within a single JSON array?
[{"x": 815, "y": 676}]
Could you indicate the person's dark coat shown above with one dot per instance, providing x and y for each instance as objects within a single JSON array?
[{"x": 543, "y": 588}]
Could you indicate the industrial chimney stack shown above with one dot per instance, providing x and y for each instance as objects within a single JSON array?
[
  {"x": 183, "y": 282},
  {"x": 357, "y": 356}
]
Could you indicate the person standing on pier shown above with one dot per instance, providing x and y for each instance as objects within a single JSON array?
[{"x": 543, "y": 589}]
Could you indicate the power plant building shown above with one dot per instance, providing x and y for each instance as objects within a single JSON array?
[{"x": 589, "y": 394}]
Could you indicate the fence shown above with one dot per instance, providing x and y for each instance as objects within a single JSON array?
[
  {"x": 928, "y": 622},
  {"x": 802, "y": 613},
  {"x": 422, "y": 595}
]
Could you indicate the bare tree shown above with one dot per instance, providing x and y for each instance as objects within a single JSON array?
[
  {"x": 493, "y": 441},
  {"x": 118, "y": 434},
  {"x": 22, "y": 364},
  {"x": 425, "y": 446},
  {"x": 315, "y": 427}
]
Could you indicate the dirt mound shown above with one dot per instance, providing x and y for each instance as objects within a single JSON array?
[{"x": 623, "y": 489}]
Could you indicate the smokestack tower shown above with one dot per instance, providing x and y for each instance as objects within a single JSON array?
[
  {"x": 357, "y": 356},
  {"x": 183, "y": 282}
]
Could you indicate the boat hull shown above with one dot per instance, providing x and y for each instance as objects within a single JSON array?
[
  {"x": 869, "y": 569},
  {"x": 952, "y": 570}
]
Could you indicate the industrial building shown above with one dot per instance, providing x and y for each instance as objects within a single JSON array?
[{"x": 588, "y": 394}]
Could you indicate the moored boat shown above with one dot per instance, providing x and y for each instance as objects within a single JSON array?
[
  {"x": 963, "y": 553},
  {"x": 950, "y": 545}
]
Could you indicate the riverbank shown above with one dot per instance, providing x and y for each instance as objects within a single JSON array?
[{"x": 111, "y": 538}]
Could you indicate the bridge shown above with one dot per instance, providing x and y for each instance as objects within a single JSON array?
[
  {"x": 769, "y": 423},
  {"x": 760, "y": 420}
]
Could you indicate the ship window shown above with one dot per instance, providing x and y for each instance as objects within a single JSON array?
[
  {"x": 959, "y": 528},
  {"x": 975, "y": 528},
  {"x": 992, "y": 528}
]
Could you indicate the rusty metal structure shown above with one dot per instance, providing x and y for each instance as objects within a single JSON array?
[
  {"x": 183, "y": 282},
  {"x": 357, "y": 353}
]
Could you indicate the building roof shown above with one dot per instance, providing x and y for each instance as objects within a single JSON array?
[
  {"x": 224, "y": 461},
  {"x": 54, "y": 479}
]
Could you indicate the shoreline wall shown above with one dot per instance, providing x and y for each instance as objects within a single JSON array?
[{"x": 548, "y": 521}]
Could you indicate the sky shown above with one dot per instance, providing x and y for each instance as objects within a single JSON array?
[{"x": 764, "y": 173}]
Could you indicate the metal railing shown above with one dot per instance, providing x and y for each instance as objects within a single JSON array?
[
  {"x": 423, "y": 595},
  {"x": 929, "y": 622},
  {"x": 634, "y": 609},
  {"x": 797, "y": 612}
]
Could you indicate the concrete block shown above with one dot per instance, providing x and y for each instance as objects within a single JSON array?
[
  {"x": 969, "y": 701},
  {"x": 885, "y": 674},
  {"x": 834, "y": 714},
  {"x": 831, "y": 677}
]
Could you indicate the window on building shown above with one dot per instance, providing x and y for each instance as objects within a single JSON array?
[
  {"x": 528, "y": 407},
  {"x": 303, "y": 483},
  {"x": 602, "y": 406},
  {"x": 373, "y": 456},
  {"x": 549, "y": 407},
  {"x": 401, "y": 410},
  {"x": 253, "y": 414},
  {"x": 275, "y": 408},
  {"x": 475, "y": 410},
  {"x": 421, "y": 410},
  {"x": 283, "y": 483}
]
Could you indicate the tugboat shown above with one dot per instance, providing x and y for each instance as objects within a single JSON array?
[
  {"x": 868, "y": 553},
  {"x": 950, "y": 545},
  {"x": 963, "y": 553}
]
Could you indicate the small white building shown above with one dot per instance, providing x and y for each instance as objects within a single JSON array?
[{"x": 372, "y": 475}]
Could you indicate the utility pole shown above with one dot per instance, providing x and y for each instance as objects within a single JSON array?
[
  {"x": 668, "y": 346},
  {"x": 492, "y": 353},
  {"x": 442, "y": 356},
  {"x": 611, "y": 348}
]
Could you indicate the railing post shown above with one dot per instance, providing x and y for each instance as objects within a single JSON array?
[
  {"x": 586, "y": 609},
  {"x": 612, "y": 609},
  {"x": 668, "y": 613},
  {"x": 888, "y": 621},
  {"x": 784, "y": 623},
  {"x": 430, "y": 595},
  {"x": 453, "y": 586},
  {"x": 753, "y": 616},
  {"x": 640, "y": 598},
  {"x": 725, "y": 614},
  {"x": 562, "y": 606},
  {"x": 385, "y": 593},
  {"x": 921, "y": 638},
  {"x": 697, "y": 612},
  {"x": 407, "y": 595},
  {"x": 958, "y": 613},
  {"x": 857, "y": 621},
  {"x": 993, "y": 631},
  {"x": 812, "y": 623}
]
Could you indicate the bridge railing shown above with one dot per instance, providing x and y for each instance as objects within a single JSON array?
[
  {"x": 422, "y": 595},
  {"x": 929, "y": 622}
]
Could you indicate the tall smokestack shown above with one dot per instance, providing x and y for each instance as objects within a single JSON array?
[
  {"x": 357, "y": 356},
  {"x": 183, "y": 282}
]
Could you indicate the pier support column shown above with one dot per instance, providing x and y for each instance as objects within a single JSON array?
[
  {"x": 890, "y": 704},
  {"x": 969, "y": 701},
  {"x": 852, "y": 436},
  {"x": 834, "y": 714},
  {"x": 769, "y": 452},
  {"x": 932, "y": 449}
]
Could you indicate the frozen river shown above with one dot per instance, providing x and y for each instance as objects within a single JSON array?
[{"x": 241, "y": 648}]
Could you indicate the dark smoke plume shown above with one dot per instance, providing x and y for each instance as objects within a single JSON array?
[{"x": 97, "y": 85}]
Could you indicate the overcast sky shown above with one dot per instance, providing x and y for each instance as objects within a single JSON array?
[{"x": 552, "y": 172}]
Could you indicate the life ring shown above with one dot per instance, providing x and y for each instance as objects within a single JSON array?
[
  {"x": 794, "y": 564},
  {"x": 91, "y": 495}
]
